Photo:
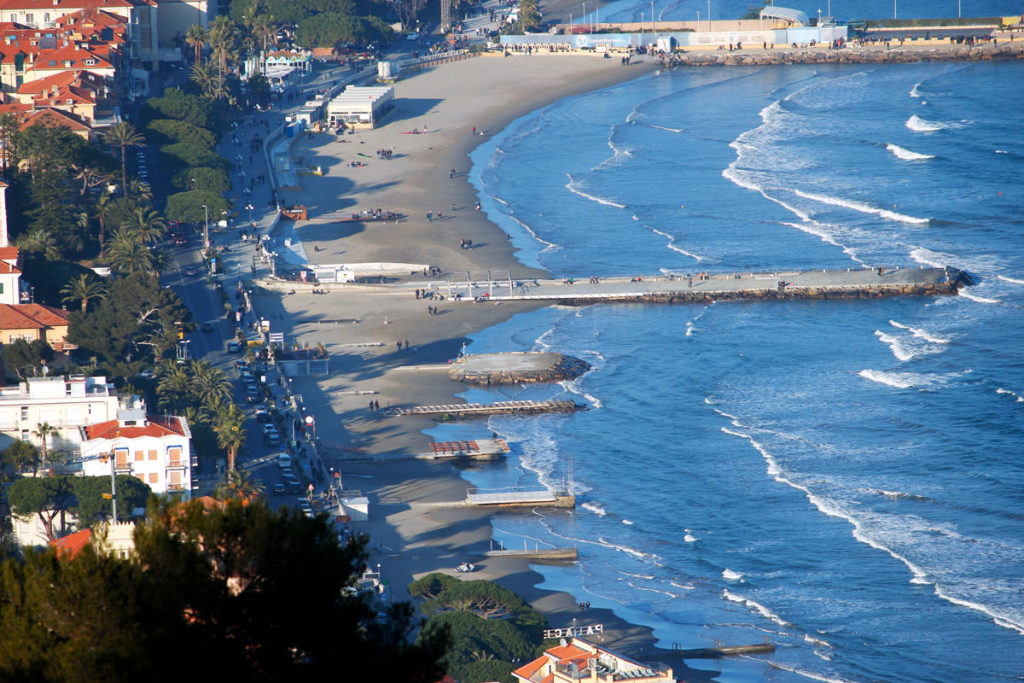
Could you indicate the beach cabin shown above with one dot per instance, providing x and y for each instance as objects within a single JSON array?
[{"x": 360, "y": 106}]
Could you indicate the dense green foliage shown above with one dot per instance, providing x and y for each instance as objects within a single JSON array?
[
  {"x": 188, "y": 206},
  {"x": 25, "y": 358},
  {"x": 172, "y": 130},
  {"x": 50, "y": 498},
  {"x": 179, "y": 105},
  {"x": 213, "y": 180},
  {"x": 490, "y": 626},
  {"x": 330, "y": 28},
  {"x": 249, "y": 595},
  {"x": 137, "y": 322}
]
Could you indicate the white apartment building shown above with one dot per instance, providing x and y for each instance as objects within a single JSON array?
[
  {"x": 65, "y": 403},
  {"x": 154, "y": 448}
]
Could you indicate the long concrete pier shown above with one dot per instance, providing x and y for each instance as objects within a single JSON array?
[{"x": 861, "y": 283}]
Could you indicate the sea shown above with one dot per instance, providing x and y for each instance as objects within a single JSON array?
[{"x": 844, "y": 479}]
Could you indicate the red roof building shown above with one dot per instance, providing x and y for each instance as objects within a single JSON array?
[{"x": 583, "y": 660}]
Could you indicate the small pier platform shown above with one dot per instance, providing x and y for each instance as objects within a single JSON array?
[
  {"x": 864, "y": 283},
  {"x": 516, "y": 499},
  {"x": 539, "y": 555},
  {"x": 487, "y": 409},
  {"x": 481, "y": 449},
  {"x": 517, "y": 367}
]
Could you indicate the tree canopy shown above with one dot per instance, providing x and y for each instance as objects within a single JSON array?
[
  {"x": 136, "y": 322},
  {"x": 250, "y": 595},
  {"x": 188, "y": 206},
  {"x": 51, "y": 497}
]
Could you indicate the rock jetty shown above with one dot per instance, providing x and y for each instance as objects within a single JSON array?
[
  {"x": 848, "y": 55},
  {"x": 517, "y": 367}
]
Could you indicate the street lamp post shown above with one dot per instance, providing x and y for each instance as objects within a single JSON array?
[
  {"x": 206, "y": 228},
  {"x": 250, "y": 207}
]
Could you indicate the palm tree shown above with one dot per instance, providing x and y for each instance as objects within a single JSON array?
[
  {"x": 206, "y": 78},
  {"x": 174, "y": 388},
  {"x": 39, "y": 241},
  {"x": 103, "y": 207},
  {"x": 208, "y": 382},
  {"x": 9, "y": 127},
  {"x": 240, "y": 484},
  {"x": 43, "y": 430},
  {"x": 124, "y": 135},
  {"x": 223, "y": 35},
  {"x": 127, "y": 254},
  {"x": 197, "y": 37},
  {"x": 83, "y": 289},
  {"x": 229, "y": 426},
  {"x": 140, "y": 190},
  {"x": 146, "y": 224}
]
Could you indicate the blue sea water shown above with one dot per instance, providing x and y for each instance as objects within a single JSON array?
[{"x": 845, "y": 478}]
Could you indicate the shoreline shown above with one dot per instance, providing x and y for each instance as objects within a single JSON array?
[{"x": 408, "y": 538}]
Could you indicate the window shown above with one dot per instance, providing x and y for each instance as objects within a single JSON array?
[
  {"x": 90, "y": 62},
  {"x": 46, "y": 17},
  {"x": 174, "y": 455},
  {"x": 30, "y": 18},
  {"x": 142, "y": 477},
  {"x": 154, "y": 478},
  {"x": 121, "y": 457},
  {"x": 1, "y": 288},
  {"x": 175, "y": 482},
  {"x": 24, "y": 409},
  {"x": 139, "y": 456},
  {"x": 152, "y": 455}
]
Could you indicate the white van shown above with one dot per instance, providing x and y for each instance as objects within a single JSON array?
[{"x": 284, "y": 461}]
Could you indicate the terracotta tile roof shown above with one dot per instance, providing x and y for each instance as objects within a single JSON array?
[
  {"x": 30, "y": 317},
  {"x": 9, "y": 253},
  {"x": 55, "y": 117},
  {"x": 528, "y": 670},
  {"x": 158, "y": 426},
  {"x": 6, "y": 268},
  {"x": 41, "y": 85},
  {"x": 69, "y": 57},
  {"x": 569, "y": 651},
  {"x": 72, "y": 544},
  {"x": 15, "y": 108}
]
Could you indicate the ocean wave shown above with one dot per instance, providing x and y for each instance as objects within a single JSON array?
[
  {"x": 919, "y": 125},
  {"x": 596, "y": 508},
  {"x": 816, "y": 641},
  {"x": 906, "y": 154},
  {"x": 646, "y": 577},
  {"x": 653, "y": 590},
  {"x": 1001, "y": 151},
  {"x": 914, "y": 92},
  {"x": 757, "y": 607},
  {"x": 639, "y": 554},
  {"x": 690, "y": 538},
  {"x": 903, "y": 380},
  {"x": 628, "y": 522},
  {"x": 730, "y": 575},
  {"x": 932, "y": 259},
  {"x": 1010, "y": 279},
  {"x": 1018, "y": 397},
  {"x": 895, "y": 345},
  {"x": 861, "y": 207},
  {"x": 548, "y": 246},
  {"x": 684, "y": 586},
  {"x": 806, "y": 674},
  {"x": 671, "y": 244},
  {"x": 979, "y": 299},
  {"x": 670, "y": 130},
  {"x": 899, "y": 495},
  {"x": 573, "y": 387},
  {"x": 998, "y": 618},
  {"x": 574, "y": 187},
  {"x": 920, "y": 333}
]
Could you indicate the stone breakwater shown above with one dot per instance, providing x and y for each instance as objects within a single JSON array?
[
  {"x": 517, "y": 368},
  {"x": 848, "y": 55}
]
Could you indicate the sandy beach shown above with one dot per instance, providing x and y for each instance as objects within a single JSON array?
[{"x": 362, "y": 325}]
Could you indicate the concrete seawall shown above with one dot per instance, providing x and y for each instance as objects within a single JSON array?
[{"x": 850, "y": 55}]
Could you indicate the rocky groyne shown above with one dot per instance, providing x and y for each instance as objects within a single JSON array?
[
  {"x": 848, "y": 55},
  {"x": 527, "y": 367}
]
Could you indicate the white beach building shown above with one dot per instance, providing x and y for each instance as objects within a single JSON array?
[{"x": 360, "y": 106}]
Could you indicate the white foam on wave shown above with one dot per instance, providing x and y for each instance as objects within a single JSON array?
[
  {"x": 919, "y": 125},
  {"x": 672, "y": 244},
  {"x": 573, "y": 387},
  {"x": 1001, "y": 151},
  {"x": 997, "y": 617},
  {"x": 808, "y": 638},
  {"x": 895, "y": 345},
  {"x": 646, "y": 577},
  {"x": 861, "y": 207},
  {"x": 914, "y": 91},
  {"x": 806, "y": 674},
  {"x": 628, "y": 522},
  {"x": 574, "y": 186},
  {"x": 649, "y": 589},
  {"x": 684, "y": 586},
  {"x": 979, "y": 299},
  {"x": 906, "y": 154},
  {"x": 932, "y": 259},
  {"x": 670, "y": 130},
  {"x": 548, "y": 246},
  {"x": 900, "y": 380},
  {"x": 639, "y": 554},
  {"x": 1010, "y": 279},
  {"x": 730, "y": 575},
  {"x": 921, "y": 333},
  {"x": 690, "y": 538},
  {"x": 1018, "y": 397},
  {"x": 596, "y": 508},
  {"x": 755, "y": 606}
]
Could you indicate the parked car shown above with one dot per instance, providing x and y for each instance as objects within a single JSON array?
[
  {"x": 279, "y": 489},
  {"x": 262, "y": 415}
]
